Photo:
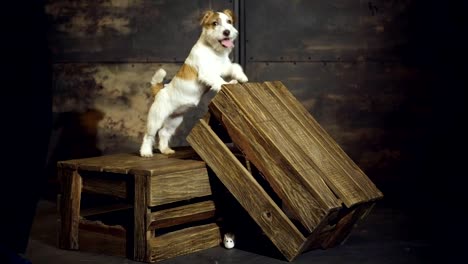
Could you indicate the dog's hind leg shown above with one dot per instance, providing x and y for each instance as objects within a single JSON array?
[
  {"x": 167, "y": 131},
  {"x": 157, "y": 115}
]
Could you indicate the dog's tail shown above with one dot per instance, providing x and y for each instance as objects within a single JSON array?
[{"x": 157, "y": 81}]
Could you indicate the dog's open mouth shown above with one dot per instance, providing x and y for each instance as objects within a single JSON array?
[{"x": 227, "y": 43}]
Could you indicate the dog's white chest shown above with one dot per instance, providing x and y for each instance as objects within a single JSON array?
[{"x": 208, "y": 60}]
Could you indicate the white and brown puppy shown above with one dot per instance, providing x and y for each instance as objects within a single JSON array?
[{"x": 205, "y": 68}]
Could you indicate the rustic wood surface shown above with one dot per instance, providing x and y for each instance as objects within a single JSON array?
[
  {"x": 309, "y": 206},
  {"x": 116, "y": 188},
  {"x": 97, "y": 237},
  {"x": 182, "y": 214},
  {"x": 127, "y": 163},
  {"x": 69, "y": 209},
  {"x": 141, "y": 213},
  {"x": 184, "y": 241},
  {"x": 298, "y": 138},
  {"x": 178, "y": 186},
  {"x": 247, "y": 191},
  {"x": 342, "y": 174},
  {"x": 165, "y": 166}
]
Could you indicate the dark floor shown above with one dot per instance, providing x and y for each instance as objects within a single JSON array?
[{"x": 386, "y": 236}]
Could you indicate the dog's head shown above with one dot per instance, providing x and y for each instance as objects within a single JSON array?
[{"x": 218, "y": 29}]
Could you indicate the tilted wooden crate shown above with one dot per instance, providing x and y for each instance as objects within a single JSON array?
[
  {"x": 145, "y": 209},
  {"x": 323, "y": 192}
]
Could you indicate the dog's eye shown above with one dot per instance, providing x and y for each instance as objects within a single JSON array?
[
  {"x": 215, "y": 23},
  {"x": 229, "y": 22}
]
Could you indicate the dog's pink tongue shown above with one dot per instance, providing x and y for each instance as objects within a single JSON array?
[{"x": 227, "y": 43}]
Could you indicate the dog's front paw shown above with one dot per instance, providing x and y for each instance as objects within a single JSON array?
[
  {"x": 243, "y": 78},
  {"x": 216, "y": 87},
  {"x": 233, "y": 82},
  {"x": 146, "y": 152}
]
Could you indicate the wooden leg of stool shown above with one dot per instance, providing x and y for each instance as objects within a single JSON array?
[
  {"x": 69, "y": 208},
  {"x": 140, "y": 214}
]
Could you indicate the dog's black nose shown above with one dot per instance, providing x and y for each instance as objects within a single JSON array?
[{"x": 226, "y": 33}]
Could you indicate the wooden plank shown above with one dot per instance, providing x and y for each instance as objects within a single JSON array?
[
  {"x": 103, "y": 239},
  {"x": 165, "y": 166},
  {"x": 116, "y": 188},
  {"x": 285, "y": 176},
  {"x": 182, "y": 214},
  {"x": 246, "y": 190},
  {"x": 125, "y": 163},
  {"x": 118, "y": 163},
  {"x": 178, "y": 186},
  {"x": 275, "y": 126},
  {"x": 184, "y": 241},
  {"x": 332, "y": 151},
  {"x": 95, "y": 163},
  {"x": 70, "y": 209},
  {"x": 141, "y": 214},
  {"x": 306, "y": 147}
]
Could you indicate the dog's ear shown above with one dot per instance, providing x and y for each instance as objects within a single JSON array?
[
  {"x": 229, "y": 13},
  {"x": 206, "y": 15}
]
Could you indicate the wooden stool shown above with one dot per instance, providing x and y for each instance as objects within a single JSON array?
[{"x": 147, "y": 209}]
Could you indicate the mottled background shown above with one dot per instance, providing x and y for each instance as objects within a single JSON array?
[{"x": 364, "y": 70}]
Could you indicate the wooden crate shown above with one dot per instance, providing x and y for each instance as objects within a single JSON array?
[
  {"x": 145, "y": 209},
  {"x": 322, "y": 192}
]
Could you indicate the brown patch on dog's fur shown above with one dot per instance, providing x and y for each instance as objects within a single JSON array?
[
  {"x": 156, "y": 88},
  {"x": 208, "y": 18},
  {"x": 230, "y": 14},
  {"x": 187, "y": 72}
]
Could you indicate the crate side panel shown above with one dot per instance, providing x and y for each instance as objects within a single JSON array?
[
  {"x": 332, "y": 150},
  {"x": 307, "y": 206},
  {"x": 246, "y": 190},
  {"x": 178, "y": 186}
]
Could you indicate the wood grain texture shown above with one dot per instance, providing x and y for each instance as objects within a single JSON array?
[
  {"x": 178, "y": 186},
  {"x": 70, "y": 209},
  {"x": 127, "y": 163},
  {"x": 182, "y": 214},
  {"x": 246, "y": 190},
  {"x": 346, "y": 179},
  {"x": 102, "y": 239},
  {"x": 280, "y": 118},
  {"x": 368, "y": 108},
  {"x": 184, "y": 241},
  {"x": 141, "y": 213},
  {"x": 309, "y": 205},
  {"x": 116, "y": 188}
]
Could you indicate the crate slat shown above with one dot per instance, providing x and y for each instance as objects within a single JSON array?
[
  {"x": 184, "y": 241},
  {"x": 182, "y": 215}
]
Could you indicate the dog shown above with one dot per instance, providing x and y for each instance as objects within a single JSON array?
[{"x": 205, "y": 68}]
